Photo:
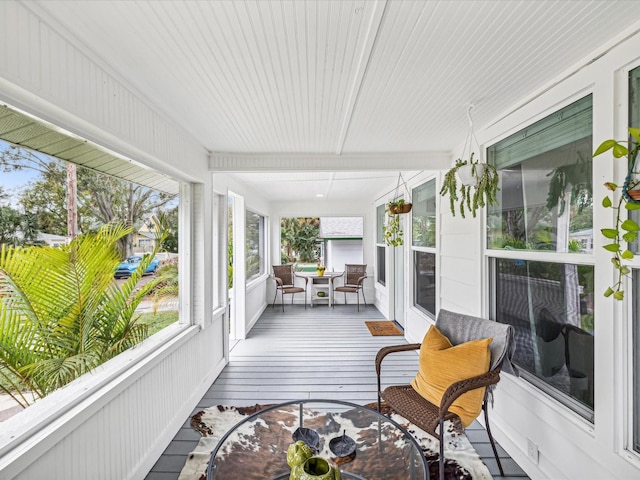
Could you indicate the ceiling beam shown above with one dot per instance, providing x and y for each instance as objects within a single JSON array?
[{"x": 328, "y": 162}]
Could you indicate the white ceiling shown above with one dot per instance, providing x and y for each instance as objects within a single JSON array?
[{"x": 339, "y": 77}]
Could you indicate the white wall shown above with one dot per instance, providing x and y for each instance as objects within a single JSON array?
[
  {"x": 569, "y": 446},
  {"x": 92, "y": 421},
  {"x": 250, "y": 299}
]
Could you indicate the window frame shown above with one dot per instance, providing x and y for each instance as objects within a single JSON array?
[
  {"x": 492, "y": 255},
  {"x": 630, "y": 353},
  {"x": 262, "y": 245},
  {"x": 431, "y": 249}
]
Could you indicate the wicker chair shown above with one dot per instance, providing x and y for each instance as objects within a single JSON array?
[
  {"x": 354, "y": 275},
  {"x": 285, "y": 276},
  {"x": 404, "y": 400}
]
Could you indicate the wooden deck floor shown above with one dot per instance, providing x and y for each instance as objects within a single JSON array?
[{"x": 319, "y": 352}]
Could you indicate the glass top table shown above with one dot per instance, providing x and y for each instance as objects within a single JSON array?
[{"x": 256, "y": 447}]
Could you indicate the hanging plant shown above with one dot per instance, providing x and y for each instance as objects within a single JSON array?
[
  {"x": 478, "y": 181},
  {"x": 393, "y": 234},
  {"x": 624, "y": 230},
  {"x": 481, "y": 191},
  {"x": 399, "y": 206}
]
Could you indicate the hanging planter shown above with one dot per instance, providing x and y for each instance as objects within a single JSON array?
[
  {"x": 392, "y": 229},
  {"x": 470, "y": 173},
  {"x": 478, "y": 181},
  {"x": 399, "y": 207}
]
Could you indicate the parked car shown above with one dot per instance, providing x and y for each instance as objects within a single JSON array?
[{"x": 126, "y": 268}]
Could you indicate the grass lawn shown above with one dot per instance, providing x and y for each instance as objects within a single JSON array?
[{"x": 158, "y": 321}]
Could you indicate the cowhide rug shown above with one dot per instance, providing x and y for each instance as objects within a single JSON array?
[{"x": 462, "y": 461}]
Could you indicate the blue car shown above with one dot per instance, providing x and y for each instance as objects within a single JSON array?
[{"x": 126, "y": 268}]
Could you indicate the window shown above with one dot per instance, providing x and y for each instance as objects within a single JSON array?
[
  {"x": 49, "y": 201},
  {"x": 636, "y": 360},
  {"x": 634, "y": 121},
  {"x": 545, "y": 205},
  {"x": 381, "y": 249},
  {"x": 423, "y": 238},
  {"x": 550, "y": 305},
  {"x": 254, "y": 225},
  {"x": 545, "y": 197}
]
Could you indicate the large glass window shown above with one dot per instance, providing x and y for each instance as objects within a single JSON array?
[
  {"x": 381, "y": 250},
  {"x": 545, "y": 197},
  {"x": 634, "y": 121},
  {"x": 550, "y": 305},
  {"x": 51, "y": 210},
  {"x": 545, "y": 204},
  {"x": 423, "y": 241},
  {"x": 254, "y": 225}
]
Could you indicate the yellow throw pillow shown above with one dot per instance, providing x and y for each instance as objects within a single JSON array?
[{"x": 442, "y": 364}]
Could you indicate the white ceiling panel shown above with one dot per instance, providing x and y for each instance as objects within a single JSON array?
[{"x": 339, "y": 77}]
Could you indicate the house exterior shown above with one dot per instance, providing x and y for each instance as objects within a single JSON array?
[
  {"x": 116, "y": 413},
  {"x": 342, "y": 241}
]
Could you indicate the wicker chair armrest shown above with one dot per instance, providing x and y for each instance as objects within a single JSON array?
[
  {"x": 456, "y": 389},
  {"x": 304, "y": 277},
  {"x": 384, "y": 351},
  {"x": 278, "y": 281},
  {"x": 361, "y": 279}
]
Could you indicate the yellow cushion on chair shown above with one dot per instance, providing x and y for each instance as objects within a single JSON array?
[{"x": 442, "y": 364}]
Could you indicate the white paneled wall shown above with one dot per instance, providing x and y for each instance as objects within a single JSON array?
[
  {"x": 50, "y": 76},
  {"x": 130, "y": 409},
  {"x": 121, "y": 430}
]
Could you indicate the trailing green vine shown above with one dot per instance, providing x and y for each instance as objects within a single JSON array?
[
  {"x": 471, "y": 197},
  {"x": 624, "y": 230},
  {"x": 393, "y": 234}
]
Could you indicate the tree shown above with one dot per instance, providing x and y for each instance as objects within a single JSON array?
[
  {"x": 61, "y": 312},
  {"x": 171, "y": 242},
  {"x": 9, "y": 225},
  {"x": 45, "y": 200},
  {"x": 298, "y": 239},
  {"x": 101, "y": 198},
  {"x": 115, "y": 200}
]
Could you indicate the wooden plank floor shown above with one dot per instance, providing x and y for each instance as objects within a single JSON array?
[{"x": 319, "y": 352}]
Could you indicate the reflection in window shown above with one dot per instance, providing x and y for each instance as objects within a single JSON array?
[
  {"x": 425, "y": 281},
  {"x": 254, "y": 244},
  {"x": 550, "y": 305},
  {"x": 423, "y": 215},
  {"x": 634, "y": 121},
  {"x": 545, "y": 197}
]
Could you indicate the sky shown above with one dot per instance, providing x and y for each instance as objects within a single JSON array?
[{"x": 14, "y": 182}]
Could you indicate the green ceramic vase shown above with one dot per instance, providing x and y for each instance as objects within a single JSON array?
[
  {"x": 315, "y": 468},
  {"x": 297, "y": 454}
]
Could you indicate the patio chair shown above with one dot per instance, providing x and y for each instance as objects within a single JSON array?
[
  {"x": 430, "y": 415},
  {"x": 354, "y": 275},
  {"x": 285, "y": 276}
]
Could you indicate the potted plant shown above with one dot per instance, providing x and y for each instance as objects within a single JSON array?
[
  {"x": 399, "y": 206},
  {"x": 478, "y": 185},
  {"x": 624, "y": 230},
  {"x": 393, "y": 234}
]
